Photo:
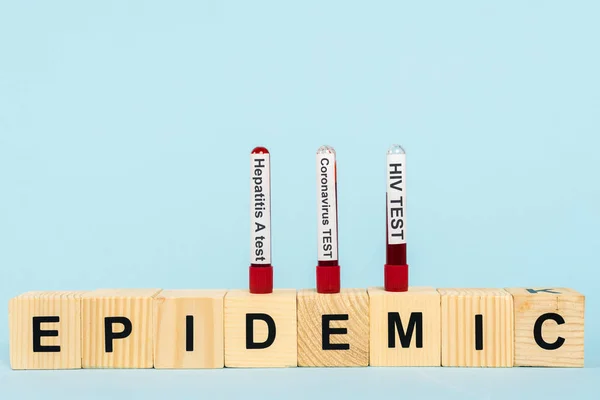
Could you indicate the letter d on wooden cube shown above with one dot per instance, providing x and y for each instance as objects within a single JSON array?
[
  {"x": 260, "y": 329},
  {"x": 548, "y": 327},
  {"x": 45, "y": 330},
  {"x": 117, "y": 328},
  {"x": 405, "y": 327}
]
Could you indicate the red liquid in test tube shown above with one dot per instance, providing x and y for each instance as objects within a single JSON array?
[
  {"x": 328, "y": 269},
  {"x": 261, "y": 270},
  {"x": 396, "y": 268}
]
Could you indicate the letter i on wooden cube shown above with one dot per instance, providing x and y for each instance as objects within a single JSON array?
[
  {"x": 260, "y": 329},
  {"x": 477, "y": 328},
  {"x": 117, "y": 328},
  {"x": 45, "y": 330},
  {"x": 333, "y": 329},
  {"x": 188, "y": 329},
  {"x": 548, "y": 327},
  {"x": 405, "y": 327}
]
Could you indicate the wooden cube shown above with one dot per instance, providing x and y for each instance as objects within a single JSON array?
[
  {"x": 405, "y": 327},
  {"x": 188, "y": 329},
  {"x": 477, "y": 328},
  {"x": 117, "y": 328},
  {"x": 548, "y": 327},
  {"x": 45, "y": 330},
  {"x": 333, "y": 329},
  {"x": 260, "y": 329}
]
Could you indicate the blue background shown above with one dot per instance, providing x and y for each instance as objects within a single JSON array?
[{"x": 126, "y": 127}]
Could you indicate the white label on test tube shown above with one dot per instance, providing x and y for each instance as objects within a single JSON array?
[
  {"x": 260, "y": 209},
  {"x": 396, "y": 198},
  {"x": 326, "y": 208}
]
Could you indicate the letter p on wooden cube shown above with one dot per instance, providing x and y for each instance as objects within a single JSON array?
[
  {"x": 45, "y": 330},
  {"x": 548, "y": 327},
  {"x": 117, "y": 328}
]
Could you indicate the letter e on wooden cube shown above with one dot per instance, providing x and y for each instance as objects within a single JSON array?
[
  {"x": 333, "y": 329},
  {"x": 45, "y": 330}
]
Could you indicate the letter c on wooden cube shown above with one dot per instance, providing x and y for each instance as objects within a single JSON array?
[{"x": 548, "y": 327}]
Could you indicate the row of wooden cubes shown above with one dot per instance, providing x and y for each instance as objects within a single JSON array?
[{"x": 146, "y": 328}]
